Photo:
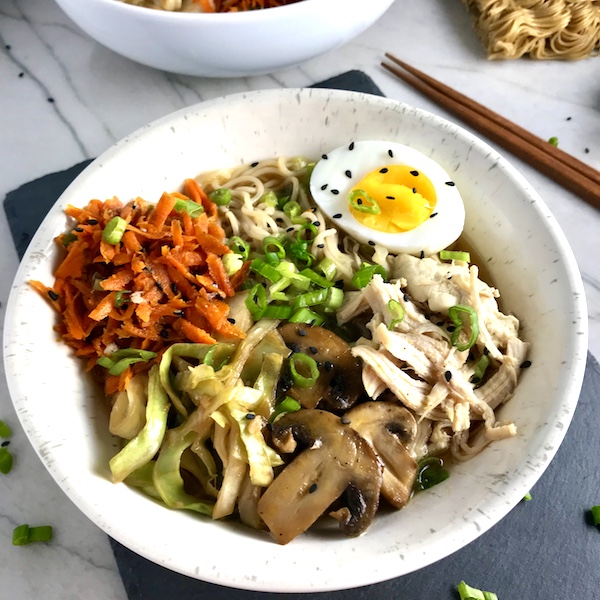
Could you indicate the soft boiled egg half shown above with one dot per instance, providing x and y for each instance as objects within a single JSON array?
[{"x": 389, "y": 194}]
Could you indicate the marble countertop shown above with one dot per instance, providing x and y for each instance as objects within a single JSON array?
[{"x": 64, "y": 98}]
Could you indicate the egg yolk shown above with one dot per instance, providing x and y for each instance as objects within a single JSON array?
[{"x": 405, "y": 197}]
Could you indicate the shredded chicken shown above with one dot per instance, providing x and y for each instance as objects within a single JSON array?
[{"x": 416, "y": 362}]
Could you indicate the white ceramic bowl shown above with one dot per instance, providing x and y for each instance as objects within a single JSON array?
[
  {"x": 509, "y": 225},
  {"x": 224, "y": 45}
]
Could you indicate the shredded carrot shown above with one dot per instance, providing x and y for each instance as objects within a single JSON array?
[{"x": 162, "y": 283}]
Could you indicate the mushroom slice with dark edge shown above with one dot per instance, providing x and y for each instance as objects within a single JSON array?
[
  {"x": 340, "y": 381},
  {"x": 334, "y": 462},
  {"x": 389, "y": 428}
]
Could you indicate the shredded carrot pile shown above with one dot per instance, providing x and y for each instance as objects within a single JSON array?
[
  {"x": 162, "y": 283},
  {"x": 240, "y": 5}
]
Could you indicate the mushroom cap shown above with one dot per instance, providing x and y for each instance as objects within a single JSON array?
[
  {"x": 340, "y": 381},
  {"x": 334, "y": 462},
  {"x": 389, "y": 428}
]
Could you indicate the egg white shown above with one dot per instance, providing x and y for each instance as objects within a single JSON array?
[{"x": 341, "y": 169}]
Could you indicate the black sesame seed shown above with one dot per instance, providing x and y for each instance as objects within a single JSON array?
[
  {"x": 432, "y": 215},
  {"x": 5, "y": 443},
  {"x": 320, "y": 245},
  {"x": 164, "y": 333},
  {"x": 337, "y": 216},
  {"x": 328, "y": 366},
  {"x": 390, "y": 154},
  {"x": 587, "y": 150},
  {"x": 406, "y": 298},
  {"x": 486, "y": 351},
  {"x": 348, "y": 174},
  {"x": 568, "y": 118},
  {"x": 475, "y": 379},
  {"x": 294, "y": 347},
  {"x": 525, "y": 364},
  {"x": 78, "y": 229},
  {"x": 289, "y": 229},
  {"x": 450, "y": 183},
  {"x": 414, "y": 190},
  {"x": 440, "y": 323},
  {"x": 384, "y": 170},
  {"x": 324, "y": 186},
  {"x": 53, "y": 295},
  {"x": 359, "y": 201},
  {"x": 335, "y": 192},
  {"x": 158, "y": 286},
  {"x": 313, "y": 209},
  {"x": 451, "y": 328},
  {"x": 179, "y": 313},
  {"x": 390, "y": 197},
  {"x": 21, "y": 74},
  {"x": 301, "y": 332},
  {"x": 174, "y": 288},
  {"x": 351, "y": 146},
  {"x": 345, "y": 420},
  {"x": 324, "y": 156},
  {"x": 371, "y": 243},
  {"x": 279, "y": 220},
  {"x": 312, "y": 488},
  {"x": 415, "y": 173},
  {"x": 133, "y": 207},
  {"x": 51, "y": 100},
  {"x": 317, "y": 223},
  {"x": 231, "y": 320},
  {"x": 339, "y": 284},
  {"x": 313, "y": 350},
  {"x": 92, "y": 222},
  {"x": 447, "y": 376},
  {"x": 7, "y": 46},
  {"x": 250, "y": 416},
  {"x": 422, "y": 255}
]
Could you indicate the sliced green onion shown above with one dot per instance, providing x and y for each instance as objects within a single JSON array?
[
  {"x": 114, "y": 230},
  {"x": 456, "y": 314},
  {"x": 357, "y": 199},
  {"x": 301, "y": 235},
  {"x": 279, "y": 296},
  {"x": 309, "y": 367},
  {"x": 97, "y": 283},
  {"x": 333, "y": 300},
  {"x": 105, "y": 362},
  {"x": 307, "y": 316},
  {"x": 316, "y": 278},
  {"x": 282, "y": 201},
  {"x": 6, "y": 461},
  {"x": 595, "y": 510},
  {"x": 23, "y": 534},
  {"x": 278, "y": 312},
  {"x": 430, "y": 472},
  {"x": 310, "y": 298},
  {"x": 328, "y": 268},
  {"x": 121, "y": 298},
  {"x": 292, "y": 209},
  {"x": 189, "y": 206},
  {"x": 269, "y": 198},
  {"x": 480, "y": 368},
  {"x": 397, "y": 311},
  {"x": 5, "y": 430},
  {"x": 466, "y": 592},
  {"x": 120, "y": 366},
  {"x": 256, "y": 302},
  {"x": 265, "y": 270},
  {"x": 287, "y": 405},
  {"x": 553, "y": 141},
  {"x": 221, "y": 196},
  {"x": 273, "y": 244},
  {"x": 363, "y": 276},
  {"x": 217, "y": 356},
  {"x": 279, "y": 286},
  {"x": 132, "y": 353},
  {"x": 239, "y": 246},
  {"x": 232, "y": 263},
  {"x": 69, "y": 238},
  {"x": 272, "y": 259},
  {"x": 118, "y": 361},
  {"x": 527, "y": 497},
  {"x": 455, "y": 255}
]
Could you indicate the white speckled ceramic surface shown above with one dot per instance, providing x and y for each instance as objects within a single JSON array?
[{"x": 508, "y": 224}]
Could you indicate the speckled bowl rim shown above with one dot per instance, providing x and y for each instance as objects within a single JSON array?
[{"x": 384, "y": 552}]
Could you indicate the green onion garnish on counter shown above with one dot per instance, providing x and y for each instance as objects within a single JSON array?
[
  {"x": 5, "y": 430},
  {"x": 466, "y": 592},
  {"x": 6, "y": 461},
  {"x": 595, "y": 510},
  {"x": 23, "y": 534}
]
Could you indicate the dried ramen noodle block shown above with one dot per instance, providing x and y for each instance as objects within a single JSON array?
[{"x": 540, "y": 29}]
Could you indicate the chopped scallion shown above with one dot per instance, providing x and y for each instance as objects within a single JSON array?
[
  {"x": 239, "y": 246},
  {"x": 333, "y": 300},
  {"x": 328, "y": 268},
  {"x": 363, "y": 276},
  {"x": 69, "y": 238},
  {"x": 312, "y": 298},
  {"x": 480, "y": 368},
  {"x": 456, "y": 315},
  {"x": 6, "y": 460},
  {"x": 265, "y": 270},
  {"x": 455, "y": 255},
  {"x": 316, "y": 278},
  {"x": 554, "y": 141},
  {"x": 307, "y": 316},
  {"x": 23, "y": 534},
  {"x": 527, "y": 497},
  {"x": 466, "y": 592},
  {"x": 278, "y": 312},
  {"x": 269, "y": 198},
  {"x": 5, "y": 430},
  {"x": 397, "y": 311},
  {"x": 220, "y": 196},
  {"x": 272, "y": 244},
  {"x": 310, "y": 371},
  {"x": 430, "y": 472},
  {"x": 307, "y": 233},
  {"x": 256, "y": 302},
  {"x": 361, "y": 201},
  {"x": 595, "y": 510},
  {"x": 287, "y": 405},
  {"x": 292, "y": 209},
  {"x": 121, "y": 298},
  {"x": 114, "y": 230},
  {"x": 189, "y": 206}
]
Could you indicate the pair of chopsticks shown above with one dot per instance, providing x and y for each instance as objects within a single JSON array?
[{"x": 563, "y": 168}]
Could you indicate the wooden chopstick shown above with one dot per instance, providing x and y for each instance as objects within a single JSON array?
[{"x": 563, "y": 168}]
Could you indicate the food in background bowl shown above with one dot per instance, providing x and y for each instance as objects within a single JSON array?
[
  {"x": 210, "y": 6},
  {"x": 514, "y": 237}
]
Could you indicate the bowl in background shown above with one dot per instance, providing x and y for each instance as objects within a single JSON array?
[
  {"x": 507, "y": 223},
  {"x": 227, "y": 44}
]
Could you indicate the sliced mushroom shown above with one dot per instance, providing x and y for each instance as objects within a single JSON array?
[
  {"x": 334, "y": 463},
  {"x": 340, "y": 383},
  {"x": 390, "y": 429}
]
